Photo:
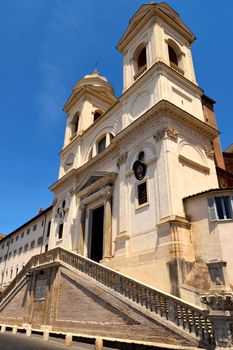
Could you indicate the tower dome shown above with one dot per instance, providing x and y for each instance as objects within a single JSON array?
[
  {"x": 96, "y": 81},
  {"x": 92, "y": 83}
]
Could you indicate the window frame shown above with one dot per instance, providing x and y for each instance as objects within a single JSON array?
[
  {"x": 102, "y": 144},
  {"x": 213, "y": 209},
  {"x": 60, "y": 231},
  {"x": 137, "y": 184}
]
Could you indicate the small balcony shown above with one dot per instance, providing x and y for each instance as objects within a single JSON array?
[
  {"x": 140, "y": 72},
  {"x": 176, "y": 68}
]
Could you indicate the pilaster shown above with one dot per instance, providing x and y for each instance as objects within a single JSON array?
[
  {"x": 107, "y": 243},
  {"x": 81, "y": 241}
]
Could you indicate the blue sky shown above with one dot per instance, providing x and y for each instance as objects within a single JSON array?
[{"x": 46, "y": 46}]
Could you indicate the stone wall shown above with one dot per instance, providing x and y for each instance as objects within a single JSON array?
[{"x": 63, "y": 300}]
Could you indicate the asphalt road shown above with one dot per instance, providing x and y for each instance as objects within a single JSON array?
[{"x": 22, "y": 342}]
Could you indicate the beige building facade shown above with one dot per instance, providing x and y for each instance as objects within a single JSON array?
[
  {"x": 138, "y": 190},
  {"x": 102, "y": 209}
]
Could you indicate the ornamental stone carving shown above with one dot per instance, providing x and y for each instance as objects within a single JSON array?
[
  {"x": 72, "y": 190},
  {"x": 82, "y": 206},
  {"x": 122, "y": 158},
  {"x": 108, "y": 194},
  {"x": 209, "y": 152},
  {"x": 170, "y": 133},
  {"x": 219, "y": 301}
]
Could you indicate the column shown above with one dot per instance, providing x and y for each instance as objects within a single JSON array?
[
  {"x": 82, "y": 208},
  {"x": 107, "y": 248}
]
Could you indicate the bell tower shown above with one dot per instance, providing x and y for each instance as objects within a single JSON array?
[
  {"x": 91, "y": 97},
  {"x": 157, "y": 45}
]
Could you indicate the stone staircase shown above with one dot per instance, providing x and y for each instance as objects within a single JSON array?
[{"x": 185, "y": 317}]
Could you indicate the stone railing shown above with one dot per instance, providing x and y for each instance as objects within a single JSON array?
[
  {"x": 140, "y": 72},
  {"x": 184, "y": 315},
  {"x": 178, "y": 69}
]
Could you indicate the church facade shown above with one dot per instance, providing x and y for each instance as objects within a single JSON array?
[{"x": 142, "y": 186}]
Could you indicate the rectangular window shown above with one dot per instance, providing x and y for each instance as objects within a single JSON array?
[
  {"x": 60, "y": 231},
  {"x": 48, "y": 228},
  {"x": 22, "y": 234},
  {"x": 5, "y": 256},
  {"x": 142, "y": 193},
  {"x": 9, "y": 255},
  {"x": 17, "y": 237},
  {"x": 3, "y": 246},
  {"x": 12, "y": 240},
  {"x": 34, "y": 227},
  {"x": 40, "y": 240},
  {"x": 26, "y": 247},
  {"x": 220, "y": 208},
  {"x": 15, "y": 252},
  {"x": 32, "y": 244},
  {"x": 0, "y": 260},
  {"x": 28, "y": 231},
  {"x": 102, "y": 144},
  {"x": 20, "y": 250},
  {"x": 42, "y": 223}
]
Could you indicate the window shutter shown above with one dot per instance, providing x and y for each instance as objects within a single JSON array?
[{"x": 211, "y": 207}]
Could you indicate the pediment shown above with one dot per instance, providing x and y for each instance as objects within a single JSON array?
[
  {"x": 91, "y": 181},
  {"x": 162, "y": 10},
  {"x": 89, "y": 90},
  {"x": 96, "y": 181}
]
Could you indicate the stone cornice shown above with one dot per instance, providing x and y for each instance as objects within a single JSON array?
[
  {"x": 71, "y": 174},
  {"x": 162, "y": 108},
  {"x": 105, "y": 192},
  {"x": 98, "y": 184},
  {"x": 161, "y": 68},
  {"x": 185, "y": 160},
  {"x": 84, "y": 91},
  {"x": 154, "y": 10},
  {"x": 174, "y": 219}
]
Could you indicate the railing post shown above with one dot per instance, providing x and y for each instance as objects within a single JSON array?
[
  {"x": 99, "y": 344},
  {"x": 221, "y": 314}
]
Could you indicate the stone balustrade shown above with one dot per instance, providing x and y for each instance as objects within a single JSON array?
[
  {"x": 176, "y": 68},
  {"x": 184, "y": 315}
]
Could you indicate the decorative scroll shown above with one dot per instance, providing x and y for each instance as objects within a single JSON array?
[
  {"x": 166, "y": 133},
  {"x": 122, "y": 158},
  {"x": 209, "y": 152}
]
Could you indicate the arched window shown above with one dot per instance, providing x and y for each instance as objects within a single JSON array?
[
  {"x": 97, "y": 114},
  {"x": 172, "y": 56},
  {"x": 175, "y": 56},
  {"x": 76, "y": 121},
  {"x": 101, "y": 144},
  {"x": 74, "y": 125},
  {"x": 140, "y": 61}
]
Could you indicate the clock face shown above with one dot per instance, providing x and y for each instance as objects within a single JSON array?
[{"x": 69, "y": 160}]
